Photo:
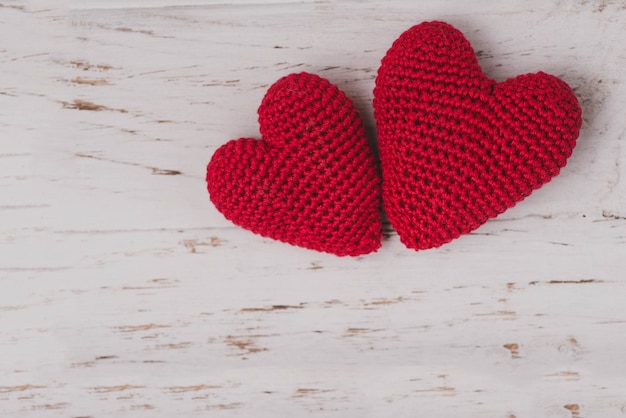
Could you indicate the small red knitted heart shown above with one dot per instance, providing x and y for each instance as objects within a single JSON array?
[
  {"x": 312, "y": 181},
  {"x": 456, "y": 147}
]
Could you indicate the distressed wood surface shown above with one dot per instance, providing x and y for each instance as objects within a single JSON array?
[{"x": 125, "y": 293}]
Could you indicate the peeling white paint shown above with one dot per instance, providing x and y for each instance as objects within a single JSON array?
[{"x": 125, "y": 293}]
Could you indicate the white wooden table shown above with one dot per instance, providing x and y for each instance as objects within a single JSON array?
[{"x": 124, "y": 293}]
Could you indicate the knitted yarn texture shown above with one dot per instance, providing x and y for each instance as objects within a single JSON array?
[
  {"x": 456, "y": 147},
  {"x": 312, "y": 181}
]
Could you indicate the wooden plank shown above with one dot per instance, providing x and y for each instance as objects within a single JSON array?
[{"x": 125, "y": 292}]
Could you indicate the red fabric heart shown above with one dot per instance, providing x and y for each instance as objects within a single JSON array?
[
  {"x": 312, "y": 181},
  {"x": 456, "y": 147}
]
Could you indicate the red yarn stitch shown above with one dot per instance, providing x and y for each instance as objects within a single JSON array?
[
  {"x": 312, "y": 181},
  {"x": 456, "y": 147}
]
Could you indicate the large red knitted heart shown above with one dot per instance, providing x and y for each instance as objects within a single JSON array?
[
  {"x": 456, "y": 147},
  {"x": 312, "y": 181}
]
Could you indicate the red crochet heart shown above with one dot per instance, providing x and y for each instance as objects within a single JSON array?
[
  {"x": 312, "y": 181},
  {"x": 456, "y": 147}
]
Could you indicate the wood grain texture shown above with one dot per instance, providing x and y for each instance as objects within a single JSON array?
[{"x": 125, "y": 293}]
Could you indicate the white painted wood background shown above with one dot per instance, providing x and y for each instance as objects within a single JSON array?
[{"x": 124, "y": 293}]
